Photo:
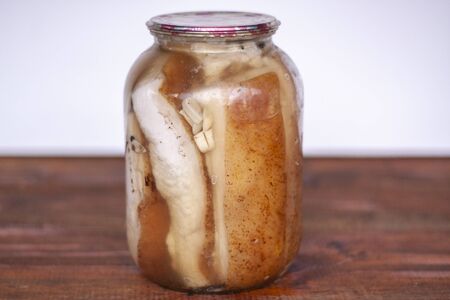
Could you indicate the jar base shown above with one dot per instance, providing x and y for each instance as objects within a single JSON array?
[{"x": 221, "y": 289}]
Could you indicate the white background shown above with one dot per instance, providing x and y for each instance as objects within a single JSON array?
[{"x": 376, "y": 73}]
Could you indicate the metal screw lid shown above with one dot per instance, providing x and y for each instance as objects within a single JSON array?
[{"x": 224, "y": 25}]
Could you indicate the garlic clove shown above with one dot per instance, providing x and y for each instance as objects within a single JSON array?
[
  {"x": 200, "y": 140},
  {"x": 196, "y": 128},
  {"x": 205, "y": 141},
  {"x": 192, "y": 109},
  {"x": 188, "y": 119},
  {"x": 201, "y": 121}
]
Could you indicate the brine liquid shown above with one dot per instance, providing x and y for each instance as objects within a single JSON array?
[{"x": 214, "y": 168}]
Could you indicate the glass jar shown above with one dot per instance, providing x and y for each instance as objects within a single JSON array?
[{"x": 214, "y": 160}]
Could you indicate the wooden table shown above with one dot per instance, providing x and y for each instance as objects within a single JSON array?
[{"x": 374, "y": 229}]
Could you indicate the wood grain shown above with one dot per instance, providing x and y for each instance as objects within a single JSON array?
[{"x": 373, "y": 229}]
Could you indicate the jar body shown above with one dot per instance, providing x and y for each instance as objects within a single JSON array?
[{"x": 213, "y": 163}]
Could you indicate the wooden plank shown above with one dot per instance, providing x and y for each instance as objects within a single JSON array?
[{"x": 374, "y": 229}]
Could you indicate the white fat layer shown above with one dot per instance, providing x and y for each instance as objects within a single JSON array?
[
  {"x": 137, "y": 167},
  {"x": 213, "y": 101},
  {"x": 178, "y": 174},
  {"x": 133, "y": 226}
]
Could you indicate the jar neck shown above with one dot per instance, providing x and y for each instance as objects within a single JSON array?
[{"x": 172, "y": 43}]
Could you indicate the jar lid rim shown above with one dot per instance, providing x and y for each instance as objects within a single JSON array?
[{"x": 214, "y": 24}]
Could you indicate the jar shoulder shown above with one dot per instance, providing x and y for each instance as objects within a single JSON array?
[{"x": 214, "y": 65}]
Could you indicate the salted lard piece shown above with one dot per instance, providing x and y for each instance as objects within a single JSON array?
[
  {"x": 137, "y": 170},
  {"x": 179, "y": 178}
]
